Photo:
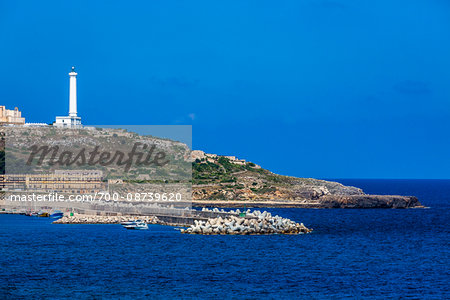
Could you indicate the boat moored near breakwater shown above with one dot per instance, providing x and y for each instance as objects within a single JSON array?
[
  {"x": 135, "y": 225},
  {"x": 57, "y": 214}
]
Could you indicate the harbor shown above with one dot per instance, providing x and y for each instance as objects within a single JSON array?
[{"x": 205, "y": 221}]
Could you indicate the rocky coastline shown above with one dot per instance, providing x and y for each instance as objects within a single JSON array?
[
  {"x": 369, "y": 201},
  {"x": 362, "y": 201}
]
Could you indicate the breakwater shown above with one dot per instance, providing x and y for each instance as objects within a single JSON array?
[
  {"x": 92, "y": 219},
  {"x": 206, "y": 222},
  {"x": 171, "y": 220},
  {"x": 253, "y": 223}
]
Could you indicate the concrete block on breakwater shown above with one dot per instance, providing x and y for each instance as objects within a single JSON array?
[{"x": 253, "y": 223}]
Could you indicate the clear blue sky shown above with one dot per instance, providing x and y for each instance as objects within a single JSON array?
[{"x": 311, "y": 88}]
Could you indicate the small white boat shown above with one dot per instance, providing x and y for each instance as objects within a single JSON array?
[
  {"x": 135, "y": 225},
  {"x": 127, "y": 223}
]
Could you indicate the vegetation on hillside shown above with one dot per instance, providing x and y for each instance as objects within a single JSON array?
[{"x": 221, "y": 170}]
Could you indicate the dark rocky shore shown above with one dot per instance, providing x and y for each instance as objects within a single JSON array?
[
  {"x": 369, "y": 201},
  {"x": 328, "y": 201},
  {"x": 220, "y": 181}
]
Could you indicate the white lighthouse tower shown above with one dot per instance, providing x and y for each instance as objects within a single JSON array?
[
  {"x": 72, "y": 120},
  {"x": 73, "y": 93}
]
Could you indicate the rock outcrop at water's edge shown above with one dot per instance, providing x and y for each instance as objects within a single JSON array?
[
  {"x": 369, "y": 201},
  {"x": 330, "y": 201},
  {"x": 225, "y": 181}
]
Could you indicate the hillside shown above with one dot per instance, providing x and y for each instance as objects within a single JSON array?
[
  {"x": 227, "y": 181},
  {"x": 216, "y": 180}
]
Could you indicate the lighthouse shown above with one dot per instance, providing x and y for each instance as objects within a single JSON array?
[
  {"x": 73, "y": 93},
  {"x": 72, "y": 120}
]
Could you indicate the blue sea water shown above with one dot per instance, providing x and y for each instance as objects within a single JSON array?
[{"x": 379, "y": 253}]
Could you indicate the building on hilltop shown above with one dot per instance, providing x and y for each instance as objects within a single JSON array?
[
  {"x": 72, "y": 120},
  {"x": 14, "y": 117},
  {"x": 9, "y": 116}
]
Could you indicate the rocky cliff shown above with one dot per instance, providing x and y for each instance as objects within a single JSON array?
[{"x": 231, "y": 182}]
